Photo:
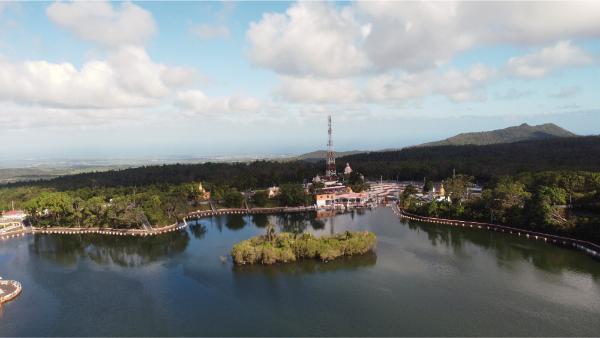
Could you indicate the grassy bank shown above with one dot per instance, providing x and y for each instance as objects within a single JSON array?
[{"x": 285, "y": 247}]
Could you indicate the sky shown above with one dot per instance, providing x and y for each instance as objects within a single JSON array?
[{"x": 158, "y": 79}]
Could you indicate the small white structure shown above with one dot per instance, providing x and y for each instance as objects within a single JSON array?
[
  {"x": 347, "y": 170},
  {"x": 13, "y": 216},
  {"x": 273, "y": 191}
]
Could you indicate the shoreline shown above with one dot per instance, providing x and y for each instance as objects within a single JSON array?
[
  {"x": 589, "y": 248},
  {"x": 154, "y": 231}
]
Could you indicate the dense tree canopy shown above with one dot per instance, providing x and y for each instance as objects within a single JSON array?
[{"x": 565, "y": 203}]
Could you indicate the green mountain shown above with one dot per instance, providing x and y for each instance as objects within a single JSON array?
[{"x": 523, "y": 132}]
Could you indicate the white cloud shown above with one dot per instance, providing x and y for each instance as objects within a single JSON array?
[
  {"x": 311, "y": 38},
  {"x": 366, "y": 36},
  {"x": 17, "y": 116},
  {"x": 455, "y": 85},
  {"x": 513, "y": 94},
  {"x": 458, "y": 86},
  {"x": 205, "y": 31},
  {"x": 317, "y": 90},
  {"x": 413, "y": 35},
  {"x": 465, "y": 86},
  {"x": 99, "y": 22},
  {"x": 419, "y": 35},
  {"x": 128, "y": 78},
  {"x": 566, "y": 92},
  {"x": 546, "y": 60},
  {"x": 195, "y": 102}
]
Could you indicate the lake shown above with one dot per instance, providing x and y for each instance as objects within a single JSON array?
[{"x": 423, "y": 280}]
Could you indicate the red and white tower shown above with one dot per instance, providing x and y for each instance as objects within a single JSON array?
[{"x": 330, "y": 164}]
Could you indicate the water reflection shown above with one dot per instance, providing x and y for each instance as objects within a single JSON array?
[
  {"x": 198, "y": 230},
  {"x": 235, "y": 222},
  {"x": 106, "y": 250},
  {"x": 309, "y": 266},
  {"x": 260, "y": 220},
  {"x": 299, "y": 222},
  {"x": 508, "y": 249}
]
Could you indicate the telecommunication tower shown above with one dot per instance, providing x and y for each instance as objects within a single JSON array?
[{"x": 330, "y": 165}]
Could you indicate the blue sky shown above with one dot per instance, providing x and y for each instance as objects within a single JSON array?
[{"x": 152, "y": 79}]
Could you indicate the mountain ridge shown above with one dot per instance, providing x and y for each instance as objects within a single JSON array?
[{"x": 523, "y": 132}]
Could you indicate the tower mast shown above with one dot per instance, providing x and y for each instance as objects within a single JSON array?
[{"x": 330, "y": 165}]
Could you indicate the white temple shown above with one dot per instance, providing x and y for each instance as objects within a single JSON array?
[{"x": 347, "y": 170}]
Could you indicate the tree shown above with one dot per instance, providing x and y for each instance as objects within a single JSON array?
[
  {"x": 293, "y": 195},
  {"x": 456, "y": 187},
  {"x": 505, "y": 201},
  {"x": 270, "y": 233},
  {"x": 54, "y": 207},
  {"x": 315, "y": 186},
  {"x": 261, "y": 198},
  {"x": 427, "y": 186},
  {"x": 406, "y": 199},
  {"x": 409, "y": 190},
  {"x": 356, "y": 182},
  {"x": 233, "y": 199}
]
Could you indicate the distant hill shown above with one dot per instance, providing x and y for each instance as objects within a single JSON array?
[
  {"x": 320, "y": 155},
  {"x": 523, "y": 132},
  {"x": 482, "y": 161}
]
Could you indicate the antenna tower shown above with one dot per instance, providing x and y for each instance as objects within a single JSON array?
[{"x": 330, "y": 166}]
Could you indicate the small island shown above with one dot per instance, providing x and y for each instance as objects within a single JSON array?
[{"x": 287, "y": 247}]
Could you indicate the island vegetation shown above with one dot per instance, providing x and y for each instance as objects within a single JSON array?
[{"x": 288, "y": 247}]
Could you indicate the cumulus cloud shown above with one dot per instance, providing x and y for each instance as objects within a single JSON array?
[
  {"x": 366, "y": 36},
  {"x": 458, "y": 86},
  {"x": 195, "y": 102},
  {"x": 419, "y": 35},
  {"x": 128, "y": 78},
  {"x": 546, "y": 60},
  {"x": 317, "y": 90},
  {"x": 311, "y": 38},
  {"x": 101, "y": 23},
  {"x": 413, "y": 35},
  {"x": 205, "y": 31}
]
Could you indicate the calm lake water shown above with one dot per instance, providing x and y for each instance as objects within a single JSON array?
[{"x": 424, "y": 279}]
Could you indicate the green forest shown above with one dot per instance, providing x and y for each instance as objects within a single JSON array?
[{"x": 483, "y": 162}]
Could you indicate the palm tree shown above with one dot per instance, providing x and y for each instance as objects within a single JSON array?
[{"x": 270, "y": 232}]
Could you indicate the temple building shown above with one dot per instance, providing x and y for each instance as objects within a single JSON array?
[
  {"x": 204, "y": 195},
  {"x": 347, "y": 170}
]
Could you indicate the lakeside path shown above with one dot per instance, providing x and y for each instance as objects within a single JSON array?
[
  {"x": 590, "y": 248},
  {"x": 154, "y": 230}
]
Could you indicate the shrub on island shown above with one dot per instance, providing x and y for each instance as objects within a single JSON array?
[{"x": 286, "y": 247}]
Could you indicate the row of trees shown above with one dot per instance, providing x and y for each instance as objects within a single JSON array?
[
  {"x": 108, "y": 207},
  {"x": 133, "y": 207},
  {"x": 558, "y": 202}
]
